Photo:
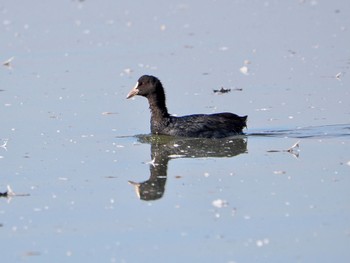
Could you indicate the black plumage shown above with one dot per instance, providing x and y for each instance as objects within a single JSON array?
[{"x": 218, "y": 125}]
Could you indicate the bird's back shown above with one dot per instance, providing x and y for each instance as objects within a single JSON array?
[{"x": 217, "y": 125}]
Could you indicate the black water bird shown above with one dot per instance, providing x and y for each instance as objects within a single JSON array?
[{"x": 218, "y": 125}]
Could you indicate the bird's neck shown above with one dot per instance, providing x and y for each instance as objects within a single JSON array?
[{"x": 158, "y": 109}]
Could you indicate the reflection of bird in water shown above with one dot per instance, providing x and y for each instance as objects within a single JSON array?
[
  {"x": 164, "y": 148},
  {"x": 218, "y": 125}
]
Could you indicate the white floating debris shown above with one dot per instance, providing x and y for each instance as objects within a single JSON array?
[
  {"x": 279, "y": 172},
  {"x": 9, "y": 191},
  {"x": 294, "y": 150},
  {"x": 162, "y": 27},
  {"x": 338, "y": 75},
  {"x": 294, "y": 146},
  {"x": 262, "y": 242},
  {"x": 4, "y": 145},
  {"x": 7, "y": 63},
  {"x": 263, "y": 109},
  {"x": 219, "y": 203},
  {"x": 63, "y": 178},
  {"x": 127, "y": 71},
  {"x": 108, "y": 113},
  {"x": 244, "y": 70}
]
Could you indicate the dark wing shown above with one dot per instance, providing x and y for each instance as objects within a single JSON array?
[{"x": 207, "y": 126}]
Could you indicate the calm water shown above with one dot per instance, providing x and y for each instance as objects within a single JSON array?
[{"x": 92, "y": 185}]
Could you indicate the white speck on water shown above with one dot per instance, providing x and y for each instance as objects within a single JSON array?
[
  {"x": 262, "y": 242},
  {"x": 348, "y": 163},
  {"x": 184, "y": 234},
  {"x": 279, "y": 172},
  {"x": 6, "y": 22},
  {"x": 244, "y": 70},
  {"x": 219, "y": 203},
  {"x": 206, "y": 174},
  {"x": 77, "y": 22},
  {"x": 223, "y": 48},
  {"x": 247, "y": 62},
  {"x": 259, "y": 243},
  {"x": 127, "y": 71},
  {"x": 263, "y": 109},
  {"x": 7, "y": 63},
  {"x": 63, "y": 178},
  {"x": 338, "y": 75}
]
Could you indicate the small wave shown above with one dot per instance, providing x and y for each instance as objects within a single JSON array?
[{"x": 325, "y": 131}]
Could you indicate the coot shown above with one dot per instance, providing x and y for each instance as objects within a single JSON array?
[{"x": 218, "y": 125}]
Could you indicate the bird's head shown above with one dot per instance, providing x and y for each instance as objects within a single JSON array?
[{"x": 146, "y": 86}]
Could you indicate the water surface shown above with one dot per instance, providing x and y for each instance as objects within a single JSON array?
[{"x": 92, "y": 185}]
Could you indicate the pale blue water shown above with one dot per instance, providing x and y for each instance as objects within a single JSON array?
[{"x": 73, "y": 142}]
